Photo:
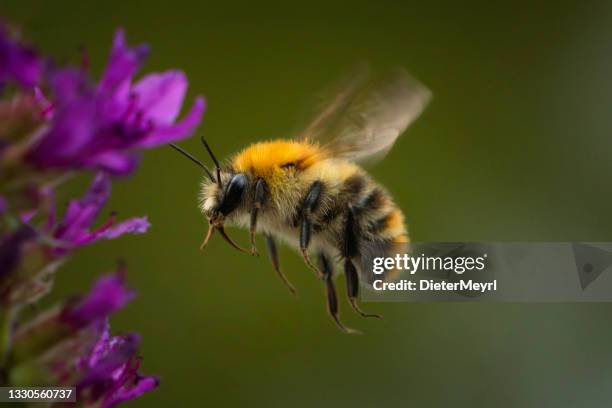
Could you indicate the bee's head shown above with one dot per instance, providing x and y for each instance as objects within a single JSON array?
[
  {"x": 221, "y": 195},
  {"x": 220, "y": 199}
]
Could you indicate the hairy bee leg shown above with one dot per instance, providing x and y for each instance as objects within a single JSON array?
[
  {"x": 352, "y": 288},
  {"x": 332, "y": 298},
  {"x": 305, "y": 230},
  {"x": 261, "y": 195},
  {"x": 310, "y": 204},
  {"x": 272, "y": 251},
  {"x": 350, "y": 250}
]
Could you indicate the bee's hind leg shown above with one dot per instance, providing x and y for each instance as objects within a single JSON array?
[
  {"x": 352, "y": 288},
  {"x": 273, "y": 252},
  {"x": 332, "y": 299},
  {"x": 350, "y": 250}
]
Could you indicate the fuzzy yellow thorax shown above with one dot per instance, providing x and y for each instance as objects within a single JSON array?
[{"x": 267, "y": 158}]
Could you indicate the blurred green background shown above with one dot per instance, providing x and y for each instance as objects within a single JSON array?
[{"x": 515, "y": 146}]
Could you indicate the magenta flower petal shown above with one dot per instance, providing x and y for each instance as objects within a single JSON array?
[
  {"x": 82, "y": 213},
  {"x": 141, "y": 385},
  {"x": 99, "y": 349},
  {"x": 72, "y": 131},
  {"x": 123, "y": 64},
  {"x": 115, "y": 162},
  {"x": 112, "y": 360},
  {"x": 75, "y": 228},
  {"x": 161, "y": 96},
  {"x": 18, "y": 63},
  {"x": 172, "y": 133},
  {"x": 131, "y": 226},
  {"x": 108, "y": 295},
  {"x": 69, "y": 84}
]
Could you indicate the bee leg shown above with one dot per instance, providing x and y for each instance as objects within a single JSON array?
[
  {"x": 261, "y": 195},
  {"x": 308, "y": 206},
  {"x": 352, "y": 288},
  {"x": 274, "y": 258},
  {"x": 332, "y": 299},
  {"x": 305, "y": 230},
  {"x": 253, "y": 230},
  {"x": 350, "y": 250}
]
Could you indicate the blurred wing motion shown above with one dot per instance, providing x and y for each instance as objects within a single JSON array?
[{"x": 365, "y": 116}]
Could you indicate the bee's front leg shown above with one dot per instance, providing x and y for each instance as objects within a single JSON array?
[
  {"x": 309, "y": 205},
  {"x": 261, "y": 196},
  {"x": 350, "y": 250}
]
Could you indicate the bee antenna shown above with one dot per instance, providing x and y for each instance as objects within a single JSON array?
[
  {"x": 214, "y": 159},
  {"x": 193, "y": 159}
]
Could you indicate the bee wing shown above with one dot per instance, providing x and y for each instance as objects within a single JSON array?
[{"x": 364, "y": 117}]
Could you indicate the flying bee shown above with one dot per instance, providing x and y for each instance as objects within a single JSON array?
[{"x": 310, "y": 191}]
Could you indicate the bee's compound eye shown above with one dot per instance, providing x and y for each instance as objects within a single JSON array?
[{"x": 233, "y": 193}]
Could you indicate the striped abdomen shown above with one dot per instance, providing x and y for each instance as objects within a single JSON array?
[{"x": 378, "y": 224}]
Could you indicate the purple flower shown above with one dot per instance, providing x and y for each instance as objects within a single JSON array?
[
  {"x": 60, "y": 119},
  {"x": 110, "y": 371},
  {"x": 102, "y": 127},
  {"x": 104, "y": 368},
  {"x": 108, "y": 295},
  {"x": 18, "y": 63},
  {"x": 74, "y": 230}
]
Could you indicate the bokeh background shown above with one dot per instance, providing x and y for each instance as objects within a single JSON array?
[{"x": 515, "y": 146}]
